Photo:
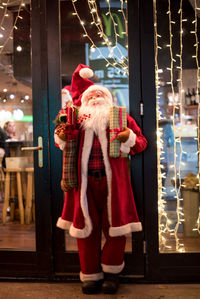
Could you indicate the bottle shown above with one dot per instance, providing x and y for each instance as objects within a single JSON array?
[
  {"x": 197, "y": 97},
  {"x": 188, "y": 98},
  {"x": 193, "y": 97}
]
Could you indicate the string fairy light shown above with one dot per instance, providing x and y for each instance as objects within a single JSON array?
[
  {"x": 118, "y": 64},
  {"x": 4, "y": 15},
  {"x": 195, "y": 22},
  {"x": 163, "y": 220},
  {"x": 14, "y": 27},
  {"x": 165, "y": 231},
  {"x": 95, "y": 16}
]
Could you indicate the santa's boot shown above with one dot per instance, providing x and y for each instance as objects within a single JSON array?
[
  {"x": 91, "y": 286},
  {"x": 111, "y": 283}
]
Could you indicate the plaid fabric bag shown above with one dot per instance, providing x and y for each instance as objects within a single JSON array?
[
  {"x": 118, "y": 121},
  {"x": 69, "y": 172}
]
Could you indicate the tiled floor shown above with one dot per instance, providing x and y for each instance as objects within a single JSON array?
[{"x": 20, "y": 290}]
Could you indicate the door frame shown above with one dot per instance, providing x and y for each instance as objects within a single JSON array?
[
  {"x": 67, "y": 263},
  {"x": 37, "y": 264}
]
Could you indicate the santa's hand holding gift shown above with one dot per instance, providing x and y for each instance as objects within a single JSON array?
[{"x": 103, "y": 198}]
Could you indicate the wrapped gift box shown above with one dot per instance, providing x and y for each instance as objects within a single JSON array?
[
  {"x": 118, "y": 121},
  {"x": 69, "y": 114}
]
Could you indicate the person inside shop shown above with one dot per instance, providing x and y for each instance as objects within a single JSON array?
[
  {"x": 10, "y": 130},
  {"x": 103, "y": 199}
]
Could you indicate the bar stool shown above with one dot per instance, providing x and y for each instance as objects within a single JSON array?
[
  {"x": 17, "y": 172},
  {"x": 29, "y": 194}
]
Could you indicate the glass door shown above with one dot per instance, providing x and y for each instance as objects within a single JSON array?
[
  {"x": 170, "y": 68},
  {"x": 96, "y": 34},
  {"x": 25, "y": 245}
]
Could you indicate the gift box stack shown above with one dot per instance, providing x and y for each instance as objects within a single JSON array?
[{"x": 118, "y": 121}]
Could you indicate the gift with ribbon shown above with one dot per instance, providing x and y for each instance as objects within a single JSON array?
[
  {"x": 118, "y": 122},
  {"x": 69, "y": 115}
]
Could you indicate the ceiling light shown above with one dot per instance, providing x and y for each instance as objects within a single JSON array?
[
  {"x": 27, "y": 97},
  {"x": 12, "y": 96},
  {"x": 5, "y": 90},
  {"x": 19, "y": 48}
]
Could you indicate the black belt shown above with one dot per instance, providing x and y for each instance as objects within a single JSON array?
[{"x": 97, "y": 174}]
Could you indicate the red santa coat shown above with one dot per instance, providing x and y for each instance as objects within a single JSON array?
[{"x": 122, "y": 213}]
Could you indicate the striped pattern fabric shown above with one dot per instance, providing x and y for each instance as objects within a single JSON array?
[
  {"x": 114, "y": 151},
  {"x": 69, "y": 174}
]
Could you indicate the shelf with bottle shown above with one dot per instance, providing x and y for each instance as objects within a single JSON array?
[{"x": 192, "y": 98}]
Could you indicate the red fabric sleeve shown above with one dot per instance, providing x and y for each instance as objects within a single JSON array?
[{"x": 141, "y": 142}]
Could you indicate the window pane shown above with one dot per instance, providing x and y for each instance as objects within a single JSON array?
[
  {"x": 16, "y": 167},
  {"x": 177, "y": 85}
]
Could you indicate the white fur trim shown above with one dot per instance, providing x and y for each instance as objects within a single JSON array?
[
  {"x": 125, "y": 229},
  {"x": 131, "y": 139},
  {"x": 97, "y": 87},
  {"x": 93, "y": 277},
  {"x": 64, "y": 224},
  {"x": 124, "y": 149},
  {"x": 61, "y": 143},
  {"x": 86, "y": 73},
  {"x": 125, "y": 146},
  {"x": 112, "y": 269},
  {"x": 104, "y": 147},
  {"x": 87, "y": 145}
]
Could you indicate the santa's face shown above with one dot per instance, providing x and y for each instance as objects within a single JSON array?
[
  {"x": 96, "y": 97},
  {"x": 96, "y": 106}
]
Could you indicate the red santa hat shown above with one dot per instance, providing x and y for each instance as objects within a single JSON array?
[{"x": 81, "y": 86}]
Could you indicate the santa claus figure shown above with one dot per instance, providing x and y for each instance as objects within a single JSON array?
[
  {"x": 103, "y": 200},
  {"x": 66, "y": 97}
]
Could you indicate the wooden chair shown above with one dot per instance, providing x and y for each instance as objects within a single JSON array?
[
  {"x": 17, "y": 172},
  {"x": 29, "y": 195}
]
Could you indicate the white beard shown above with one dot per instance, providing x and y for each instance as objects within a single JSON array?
[{"x": 99, "y": 115}]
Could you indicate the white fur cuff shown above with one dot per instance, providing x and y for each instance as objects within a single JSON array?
[
  {"x": 64, "y": 224},
  {"x": 61, "y": 143},
  {"x": 125, "y": 229},
  {"x": 94, "y": 277},
  {"x": 125, "y": 146},
  {"x": 112, "y": 269}
]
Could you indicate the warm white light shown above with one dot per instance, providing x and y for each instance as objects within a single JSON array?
[
  {"x": 1, "y": 35},
  {"x": 5, "y": 115},
  {"x": 18, "y": 114},
  {"x": 19, "y": 48},
  {"x": 5, "y": 90},
  {"x": 27, "y": 97}
]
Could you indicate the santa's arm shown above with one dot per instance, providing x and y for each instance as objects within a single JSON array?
[{"x": 134, "y": 142}]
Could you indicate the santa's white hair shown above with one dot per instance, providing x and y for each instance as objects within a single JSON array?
[{"x": 96, "y": 111}]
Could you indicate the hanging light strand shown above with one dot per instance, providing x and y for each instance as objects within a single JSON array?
[
  {"x": 96, "y": 20},
  {"x": 163, "y": 220},
  {"x": 4, "y": 15},
  {"x": 10, "y": 35},
  {"x": 179, "y": 247},
  {"x": 197, "y": 93},
  {"x": 117, "y": 65},
  {"x": 95, "y": 16}
]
